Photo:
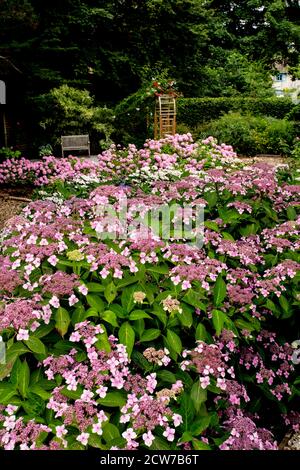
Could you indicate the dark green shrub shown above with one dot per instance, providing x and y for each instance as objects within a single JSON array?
[
  {"x": 67, "y": 110},
  {"x": 251, "y": 135},
  {"x": 7, "y": 152},
  {"x": 294, "y": 114}
]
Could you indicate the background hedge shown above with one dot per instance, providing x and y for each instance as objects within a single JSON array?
[{"x": 194, "y": 111}]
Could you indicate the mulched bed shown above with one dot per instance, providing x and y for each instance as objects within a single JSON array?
[
  {"x": 271, "y": 159},
  {"x": 291, "y": 441},
  {"x": 12, "y": 200}
]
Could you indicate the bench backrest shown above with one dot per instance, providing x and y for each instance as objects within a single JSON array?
[{"x": 74, "y": 141}]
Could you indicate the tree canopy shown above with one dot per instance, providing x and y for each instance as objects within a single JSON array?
[
  {"x": 111, "y": 48},
  {"x": 108, "y": 46}
]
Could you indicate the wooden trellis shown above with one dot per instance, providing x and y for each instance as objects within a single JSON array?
[{"x": 165, "y": 116}]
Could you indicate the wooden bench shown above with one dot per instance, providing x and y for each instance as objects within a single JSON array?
[{"x": 75, "y": 142}]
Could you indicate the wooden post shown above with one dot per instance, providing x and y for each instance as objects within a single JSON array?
[{"x": 5, "y": 130}]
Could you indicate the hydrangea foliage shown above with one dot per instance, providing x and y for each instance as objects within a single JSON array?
[{"x": 143, "y": 342}]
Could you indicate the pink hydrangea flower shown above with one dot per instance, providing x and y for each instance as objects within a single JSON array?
[
  {"x": 83, "y": 438},
  {"x": 169, "y": 434},
  {"x": 23, "y": 335},
  {"x": 53, "y": 260},
  {"x": 148, "y": 438},
  {"x": 54, "y": 301},
  {"x": 73, "y": 300}
]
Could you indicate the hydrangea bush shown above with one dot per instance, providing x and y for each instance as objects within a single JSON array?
[
  {"x": 140, "y": 342},
  {"x": 166, "y": 159}
]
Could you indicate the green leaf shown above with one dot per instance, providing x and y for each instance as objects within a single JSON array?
[
  {"x": 187, "y": 411},
  {"x": 218, "y": 319},
  {"x": 17, "y": 349},
  {"x": 244, "y": 325},
  {"x": 139, "y": 326},
  {"x": 40, "y": 391},
  {"x": 185, "y": 317},
  {"x": 199, "y": 445},
  {"x": 160, "y": 444},
  {"x": 119, "y": 311},
  {"x": 120, "y": 443},
  {"x": 110, "y": 292},
  {"x": 113, "y": 399},
  {"x": 211, "y": 197},
  {"x": 110, "y": 317},
  {"x": 81, "y": 356},
  {"x": 34, "y": 406},
  {"x": 62, "y": 321},
  {"x": 43, "y": 330},
  {"x": 291, "y": 213},
  {"x": 96, "y": 442},
  {"x": 7, "y": 391},
  {"x": 141, "y": 361},
  {"x": 95, "y": 287},
  {"x": 284, "y": 303},
  {"x": 200, "y": 425},
  {"x": 166, "y": 376},
  {"x": 269, "y": 211},
  {"x": 137, "y": 314},
  {"x": 160, "y": 313},
  {"x": 81, "y": 314},
  {"x": 273, "y": 307},
  {"x": 193, "y": 298},
  {"x": 103, "y": 343},
  {"x": 12, "y": 353},
  {"x": 201, "y": 333},
  {"x": 150, "y": 335},
  {"x": 185, "y": 378},
  {"x": 95, "y": 302},
  {"x": 127, "y": 337},
  {"x": 161, "y": 269},
  {"x": 186, "y": 437},
  {"x": 110, "y": 432},
  {"x": 129, "y": 280},
  {"x": 23, "y": 378},
  {"x": 15, "y": 373},
  {"x": 212, "y": 225},
  {"x": 198, "y": 395},
  {"x": 73, "y": 394},
  {"x": 174, "y": 341},
  {"x": 163, "y": 295},
  {"x": 75, "y": 445},
  {"x": 249, "y": 229},
  {"x": 229, "y": 215},
  {"x": 219, "y": 292},
  {"x": 35, "y": 345},
  {"x": 150, "y": 291},
  {"x": 127, "y": 299}
]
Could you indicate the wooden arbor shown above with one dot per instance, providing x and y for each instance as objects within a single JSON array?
[{"x": 165, "y": 116}]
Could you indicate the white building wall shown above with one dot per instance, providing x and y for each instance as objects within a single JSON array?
[{"x": 285, "y": 86}]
